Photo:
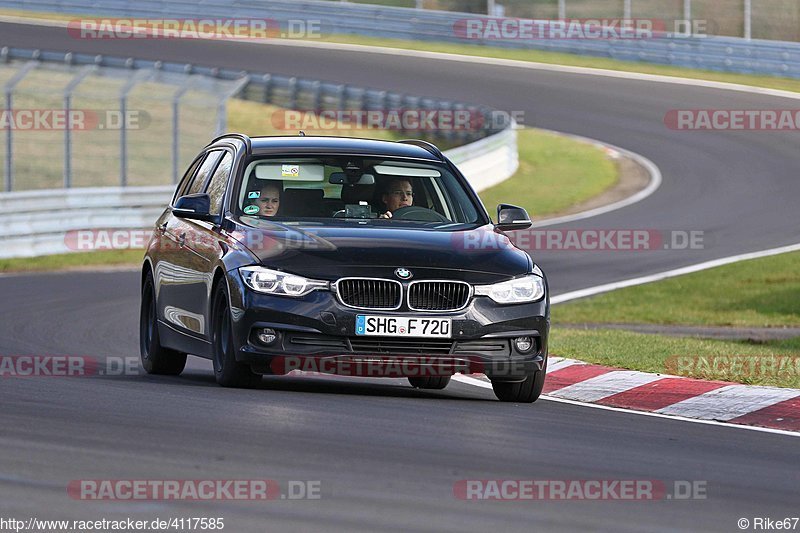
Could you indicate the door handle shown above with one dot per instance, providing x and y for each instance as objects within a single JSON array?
[
  {"x": 182, "y": 239},
  {"x": 162, "y": 227}
]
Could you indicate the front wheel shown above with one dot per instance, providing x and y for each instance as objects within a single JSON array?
[
  {"x": 227, "y": 370},
  {"x": 527, "y": 391},
  {"x": 155, "y": 358}
]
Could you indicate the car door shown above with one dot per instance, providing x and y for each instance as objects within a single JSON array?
[
  {"x": 206, "y": 242},
  {"x": 182, "y": 270}
]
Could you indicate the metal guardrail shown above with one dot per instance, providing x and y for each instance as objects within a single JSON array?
[{"x": 728, "y": 54}]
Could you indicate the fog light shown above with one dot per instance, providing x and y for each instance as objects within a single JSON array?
[
  {"x": 523, "y": 344},
  {"x": 267, "y": 335}
]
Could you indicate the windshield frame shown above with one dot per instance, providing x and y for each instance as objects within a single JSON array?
[{"x": 445, "y": 166}]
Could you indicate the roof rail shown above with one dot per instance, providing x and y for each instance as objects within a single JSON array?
[
  {"x": 430, "y": 147},
  {"x": 241, "y": 136}
]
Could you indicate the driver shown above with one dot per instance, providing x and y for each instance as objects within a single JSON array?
[{"x": 398, "y": 193}]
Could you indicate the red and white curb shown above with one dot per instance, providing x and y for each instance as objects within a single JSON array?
[{"x": 767, "y": 407}]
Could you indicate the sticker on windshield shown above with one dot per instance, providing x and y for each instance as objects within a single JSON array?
[
  {"x": 290, "y": 171},
  {"x": 253, "y": 194},
  {"x": 251, "y": 210}
]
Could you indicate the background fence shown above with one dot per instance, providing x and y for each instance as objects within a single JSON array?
[{"x": 141, "y": 122}]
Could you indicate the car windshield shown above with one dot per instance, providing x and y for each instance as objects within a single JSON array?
[{"x": 384, "y": 191}]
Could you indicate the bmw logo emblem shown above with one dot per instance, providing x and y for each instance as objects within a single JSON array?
[{"x": 403, "y": 273}]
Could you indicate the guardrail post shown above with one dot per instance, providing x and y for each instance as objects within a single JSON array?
[
  {"x": 266, "y": 79},
  {"x": 292, "y": 93},
  {"x": 626, "y": 10},
  {"x": 123, "y": 130},
  {"x": 341, "y": 95},
  {"x": 68, "y": 90},
  {"x": 8, "y": 90},
  {"x": 748, "y": 19},
  {"x": 316, "y": 97},
  {"x": 562, "y": 9},
  {"x": 687, "y": 16},
  {"x": 176, "y": 125},
  {"x": 222, "y": 108}
]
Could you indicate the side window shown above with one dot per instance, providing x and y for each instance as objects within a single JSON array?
[
  {"x": 184, "y": 183},
  {"x": 204, "y": 172},
  {"x": 216, "y": 187}
]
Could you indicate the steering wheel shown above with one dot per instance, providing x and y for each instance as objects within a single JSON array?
[{"x": 417, "y": 212}]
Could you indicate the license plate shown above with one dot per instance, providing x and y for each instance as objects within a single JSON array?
[{"x": 401, "y": 326}]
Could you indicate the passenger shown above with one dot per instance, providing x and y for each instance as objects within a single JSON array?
[
  {"x": 269, "y": 199},
  {"x": 398, "y": 193}
]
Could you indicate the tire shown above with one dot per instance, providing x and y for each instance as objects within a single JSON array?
[
  {"x": 227, "y": 370},
  {"x": 431, "y": 383},
  {"x": 527, "y": 391},
  {"x": 155, "y": 358}
]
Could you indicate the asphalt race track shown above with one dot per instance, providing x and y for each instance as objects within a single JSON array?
[{"x": 388, "y": 456}]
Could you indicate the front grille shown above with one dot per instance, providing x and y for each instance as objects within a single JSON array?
[
  {"x": 438, "y": 295},
  {"x": 367, "y": 293},
  {"x": 377, "y": 346}
]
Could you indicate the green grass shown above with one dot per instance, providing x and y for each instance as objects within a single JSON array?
[
  {"x": 659, "y": 354},
  {"x": 46, "y": 263},
  {"x": 554, "y": 174},
  {"x": 757, "y": 293}
]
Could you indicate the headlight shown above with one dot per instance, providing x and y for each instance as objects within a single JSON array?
[
  {"x": 268, "y": 281},
  {"x": 515, "y": 291}
]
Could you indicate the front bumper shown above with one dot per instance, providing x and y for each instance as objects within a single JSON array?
[{"x": 317, "y": 333}]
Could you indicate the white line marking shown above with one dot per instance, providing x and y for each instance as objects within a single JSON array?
[
  {"x": 558, "y": 363},
  {"x": 591, "y": 291},
  {"x": 484, "y": 385},
  {"x": 729, "y": 402},
  {"x": 605, "y": 385},
  {"x": 650, "y": 167}
]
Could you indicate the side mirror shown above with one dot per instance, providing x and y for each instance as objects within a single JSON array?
[
  {"x": 194, "y": 206},
  {"x": 511, "y": 217}
]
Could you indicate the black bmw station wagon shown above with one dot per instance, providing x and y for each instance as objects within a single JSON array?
[{"x": 341, "y": 256}]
